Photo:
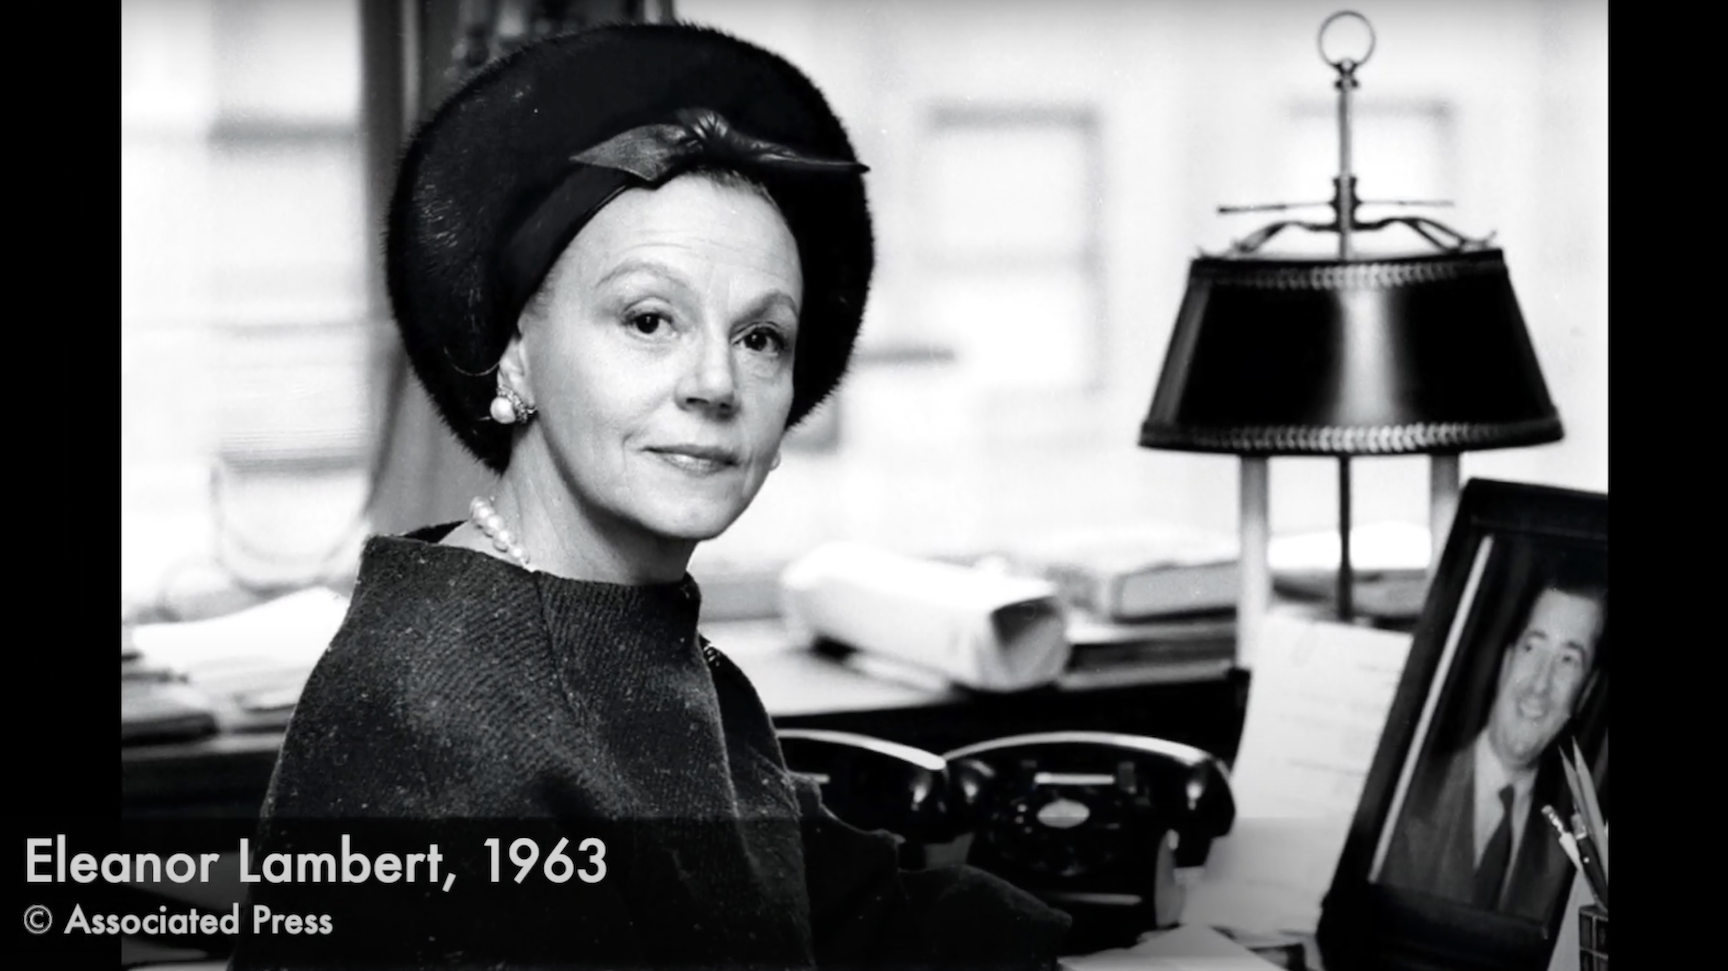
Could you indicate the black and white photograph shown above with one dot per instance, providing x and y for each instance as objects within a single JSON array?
[
  {"x": 804, "y": 483},
  {"x": 1525, "y": 683},
  {"x": 1482, "y": 832}
]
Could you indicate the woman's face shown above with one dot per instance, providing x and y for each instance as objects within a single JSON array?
[{"x": 659, "y": 353}]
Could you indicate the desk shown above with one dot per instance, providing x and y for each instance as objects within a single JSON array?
[
  {"x": 1200, "y": 705},
  {"x": 226, "y": 775}
]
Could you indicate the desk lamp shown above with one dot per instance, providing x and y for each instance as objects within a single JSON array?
[{"x": 1418, "y": 354}]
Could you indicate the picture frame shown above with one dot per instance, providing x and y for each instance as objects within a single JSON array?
[{"x": 1508, "y": 666}]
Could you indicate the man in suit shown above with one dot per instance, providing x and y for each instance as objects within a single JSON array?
[{"x": 1473, "y": 830}]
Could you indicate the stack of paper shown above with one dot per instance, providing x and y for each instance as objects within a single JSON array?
[
  {"x": 1186, "y": 948},
  {"x": 1317, "y": 706},
  {"x": 252, "y": 664}
]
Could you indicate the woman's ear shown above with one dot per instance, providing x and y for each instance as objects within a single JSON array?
[
  {"x": 513, "y": 368},
  {"x": 514, "y": 399}
]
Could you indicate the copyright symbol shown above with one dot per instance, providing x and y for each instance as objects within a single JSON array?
[{"x": 38, "y": 919}]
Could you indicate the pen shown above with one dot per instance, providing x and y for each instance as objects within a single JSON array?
[
  {"x": 1572, "y": 783},
  {"x": 1591, "y": 865},
  {"x": 1592, "y": 805},
  {"x": 1567, "y": 842},
  {"x": 1581, "y": 796}
]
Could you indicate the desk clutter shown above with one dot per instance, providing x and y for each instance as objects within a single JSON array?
[
  {"x": 1069, "y": 607},
  {"x": 1099, "y": 825},
  {"x": 1321, "y": 694},
  {"x": 1104, "y": 824},
  {"x": 240, "y": 672},
  {"x": 1187, "y": 948},
  {"x": 1593, "y": 938},
  {"x": 994, "y": 623},
  {"x": 978, "y": 629},
  {"x": 920, "y": 621},
  {"x": 1134, "y": 571},
  {"x": 1096, "y": 824}
]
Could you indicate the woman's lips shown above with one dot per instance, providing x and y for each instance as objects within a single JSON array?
[{"x": 696, "y": 459}]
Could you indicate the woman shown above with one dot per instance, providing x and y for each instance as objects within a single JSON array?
[{"x": 623, "y": 263}]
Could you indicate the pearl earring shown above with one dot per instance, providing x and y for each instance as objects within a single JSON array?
[{"x": 509, "y": 407}]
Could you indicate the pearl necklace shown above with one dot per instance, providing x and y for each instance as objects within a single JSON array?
[
  {"x": 487, "y": 519},
  {"x": 482, "y": 514}
]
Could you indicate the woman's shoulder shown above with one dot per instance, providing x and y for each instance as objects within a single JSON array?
[
  {"x": 432, "y": 665},
  {"x": 427, "y": 626},
  {"x": 411, "y": 591}
]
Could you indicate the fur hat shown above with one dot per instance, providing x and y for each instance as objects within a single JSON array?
[{"x": 499, "y": 179}]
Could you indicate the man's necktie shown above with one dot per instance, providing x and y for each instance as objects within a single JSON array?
[{"x": 1491, "y": 872}]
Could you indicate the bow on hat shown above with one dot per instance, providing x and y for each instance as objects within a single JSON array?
[
  {"x": 645, "y": 155},
  {"x": 652, "y": 152}
]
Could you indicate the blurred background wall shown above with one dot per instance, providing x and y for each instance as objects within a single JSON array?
[{"x": 1042, "y": 173}]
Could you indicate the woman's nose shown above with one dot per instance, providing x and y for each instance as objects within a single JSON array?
[{"x": 709, "y": 380}]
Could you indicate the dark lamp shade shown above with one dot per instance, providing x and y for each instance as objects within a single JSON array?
[{"x": 1423, "y": 354}]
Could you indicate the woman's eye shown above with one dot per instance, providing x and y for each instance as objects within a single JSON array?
[
  {"x": 765, "y": 340},
  {"x": 646, "y": 323}
]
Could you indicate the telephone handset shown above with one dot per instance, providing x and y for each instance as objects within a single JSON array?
[
  {"x": 875, "y": 784},
  {"x": 1079, "y": 819}
]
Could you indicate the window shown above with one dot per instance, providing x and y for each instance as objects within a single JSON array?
[
  {"x": 245, "y": 402},
  {"x": 1012, "y": 267}
]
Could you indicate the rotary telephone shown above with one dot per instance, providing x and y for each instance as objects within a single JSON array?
[
  {"x": 874, "y": 784},
  {"x": 1080, "y": 819}
]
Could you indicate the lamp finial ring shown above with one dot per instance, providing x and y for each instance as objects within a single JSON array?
[{"x": 1345, "y": 64}]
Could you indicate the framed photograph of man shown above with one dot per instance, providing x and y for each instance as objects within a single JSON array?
[{"x": 1451, "y": 860}]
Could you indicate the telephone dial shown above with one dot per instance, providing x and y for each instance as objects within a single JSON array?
[
  {"x": 1080, "y": 819},
  {"x": 1077, "y": 818}
]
